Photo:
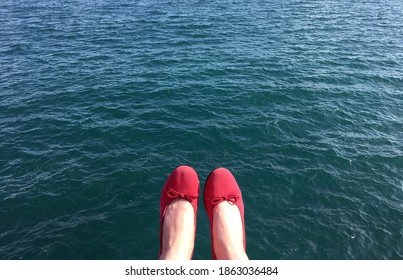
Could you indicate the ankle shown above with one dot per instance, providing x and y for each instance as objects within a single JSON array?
[
  {"x": 228, "y": 232},
  {"x": 179, "y": 231}
]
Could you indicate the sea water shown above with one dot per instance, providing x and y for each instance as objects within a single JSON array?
[{"x": 100, "y": 100}]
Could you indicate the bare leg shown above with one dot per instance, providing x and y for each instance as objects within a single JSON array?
[
  {"x": 228, "y": 233},
  {"x": 178, "y": 231}
]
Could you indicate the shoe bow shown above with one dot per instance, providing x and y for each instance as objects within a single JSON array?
[
  {"x": 175, "y": 194},
  {"x": 232, "y": 199}
]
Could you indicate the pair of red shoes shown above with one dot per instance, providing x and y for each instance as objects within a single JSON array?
[{"x": 220, "y": 186}]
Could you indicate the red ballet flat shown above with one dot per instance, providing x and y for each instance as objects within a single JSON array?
[
  {"x": 222, "y": 186},
  {"x": 182, "y": 183}
]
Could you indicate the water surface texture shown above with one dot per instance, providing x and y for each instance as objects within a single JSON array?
[{"x": 100, "y": 100}]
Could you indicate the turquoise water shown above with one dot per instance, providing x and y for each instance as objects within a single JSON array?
[{"x": 100, "y": 100}]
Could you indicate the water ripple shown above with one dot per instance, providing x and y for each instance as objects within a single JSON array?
[{"x": 100, "y": 100}]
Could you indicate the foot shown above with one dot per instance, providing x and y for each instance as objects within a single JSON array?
[
  {"x": 178, "y": 210},
  {"x": 225, "y": 210}
]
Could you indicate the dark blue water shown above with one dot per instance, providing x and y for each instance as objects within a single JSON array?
[{"x": 101, "y": 100}]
